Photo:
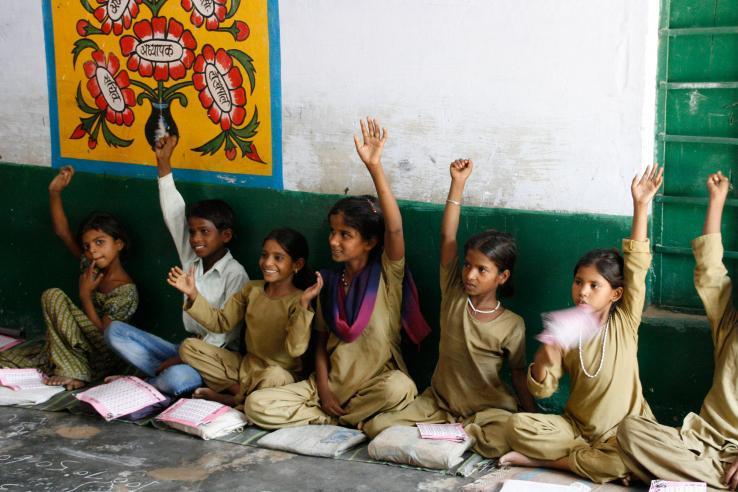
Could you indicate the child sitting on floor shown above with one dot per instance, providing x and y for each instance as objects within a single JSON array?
[
  {"x": 705, "y": 447},
  {"x": 359, "y": 370},
  {"x": 75, "y": 352},
  {"x": 605, "y": 384},
  {"x": 277, "y": 314},
  {"x": 477, "y": 334},
  {"x": 201, "y": 234}
]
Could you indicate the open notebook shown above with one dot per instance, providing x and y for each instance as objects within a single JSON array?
[{"x": 25, "y": 387}]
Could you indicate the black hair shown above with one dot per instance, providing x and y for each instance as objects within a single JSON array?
[
  {"x": 216, "y": 211},
  {"x": 609, "y": 264},
  {"x": 107, "y": 223},
  {"x": 363, "y": 214},
  {"x": 296, "y": 246},
  {"x": 501, "y": 249}
]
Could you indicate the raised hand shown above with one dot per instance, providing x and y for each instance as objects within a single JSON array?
[
  {"x": 644, "y": 188},
  {"x": 89, "y": 280},
  {"x": 718, "y": 185},
  {"x": 370, "y": 152},
  {"x": 461, "y": 169},
  {"x": 312, "y": 291},
  {"x": 163, "y": 148},
  {"x": 183, "y": 281},
  {"x": 61, "y": 180}
]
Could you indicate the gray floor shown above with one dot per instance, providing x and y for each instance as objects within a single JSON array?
[{"x": 57, "y": 451}]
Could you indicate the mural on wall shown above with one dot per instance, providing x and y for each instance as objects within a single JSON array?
[{"x": 123, "y": 73}]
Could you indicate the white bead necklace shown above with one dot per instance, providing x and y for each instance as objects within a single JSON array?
[
  {"x": 480, "y": 311},
  {"x": 602, "y": 355}
]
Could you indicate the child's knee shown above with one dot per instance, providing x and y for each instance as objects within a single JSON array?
[
  {"x": 179, "y": 379},
  {"x": 398, "y": 387},
  {"x": 188, "y": 349},
  {"x": 50, "y": 296},
  {"x": 114, "y": 332}
]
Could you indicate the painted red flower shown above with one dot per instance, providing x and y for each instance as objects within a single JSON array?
[
  {"x": 220, "y": 87},
  {"x": 116, "y": 15},
  {"x": 109, "y": 87},
  {"x": 159, "y": 48},
  {"x": 211, "y": 12}
]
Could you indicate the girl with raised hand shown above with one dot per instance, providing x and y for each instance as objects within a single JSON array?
[
  {"x": 705, "y": 447},
  {"x": 359, "y": 370},
  {"x": 75, "y": 352},
  {"x": 477, "y": 335},
  {"x": 277, "y": 314},
  {"x": 605, "y": 384}
]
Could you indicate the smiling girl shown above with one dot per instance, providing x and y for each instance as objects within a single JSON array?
[
  {"x": 359, "y": 370},
  {"x": 277, "y": 314},
  {"x": 605, "y": 384},
  {"x": 75, "y": 352}
]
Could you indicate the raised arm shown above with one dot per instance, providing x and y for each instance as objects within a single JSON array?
[
  {"x": 370, "y": 153},
  {"x": 643, "y": 190},
  {"x": 171, "y": 202},
  {"x": 58, "y": 218},
  {"x": 718, "y": 186},
  {"x": 460, "y": 171}
]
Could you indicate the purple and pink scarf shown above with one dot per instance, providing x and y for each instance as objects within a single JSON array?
[{"x": 348, "y": 313}]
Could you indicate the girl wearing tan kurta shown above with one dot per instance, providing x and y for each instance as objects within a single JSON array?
[
  {"x": 277, "y": 315},
  {"x": 705, "y": 448},
  {"x": 477, "y": 335},
  {"x": 605, "y": 384},
  {"x": 359, "y": 370}
]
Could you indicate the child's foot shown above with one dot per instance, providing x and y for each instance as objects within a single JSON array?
[
  {"x": 626, "y": 480},
  {"x": 110, "y": 379},
  {"x": 513, "y": 458},
  {"x": 69, "y": 383},
  {"x": 208, "y": 394}
]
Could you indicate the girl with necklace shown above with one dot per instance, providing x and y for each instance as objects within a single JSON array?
[
  {"x": 359, "y": 369},
  {"x": 477, "y": 335},
  {"x": 605, "y": 384}
]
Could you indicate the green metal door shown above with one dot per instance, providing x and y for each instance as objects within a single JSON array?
[{"x": 697, "y": 133}]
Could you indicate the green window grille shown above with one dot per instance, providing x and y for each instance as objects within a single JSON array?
[{"x": 696, "y": 134}]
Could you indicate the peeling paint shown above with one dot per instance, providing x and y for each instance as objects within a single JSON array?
[{"x": 77, "y": 431}]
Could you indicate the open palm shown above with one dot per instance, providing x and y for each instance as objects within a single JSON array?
[
  {"x": 644, "y": 188},
  {"x": 370, "y": 151}
]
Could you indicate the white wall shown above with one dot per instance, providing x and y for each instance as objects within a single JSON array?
[{"x": 553, "y": 100}]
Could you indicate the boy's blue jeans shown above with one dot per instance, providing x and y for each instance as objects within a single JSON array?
[{"x": 146, "y": 352}]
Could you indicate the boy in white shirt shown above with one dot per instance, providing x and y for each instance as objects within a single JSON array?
[{"x": 201, "y": 233}]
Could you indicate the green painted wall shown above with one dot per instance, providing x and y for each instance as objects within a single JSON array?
[{"x": 549, "y": 246}]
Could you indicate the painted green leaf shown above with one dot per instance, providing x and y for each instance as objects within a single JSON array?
[
  {"x": 248, "y": 65},
  {"x": 249, "y": 130},
  {"x": 82, "y": 104},
  {"x": 234, "y": 8},
  {"x": 112, "y": 139},
  {"x": 80, "y": 45},
  {"x": 212, "y": 146}
]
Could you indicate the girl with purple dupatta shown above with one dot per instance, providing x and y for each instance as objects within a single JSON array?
[{"x": 359, "y": 370}]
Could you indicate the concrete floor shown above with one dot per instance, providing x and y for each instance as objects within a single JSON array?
[{"x": 58, "y": 451}]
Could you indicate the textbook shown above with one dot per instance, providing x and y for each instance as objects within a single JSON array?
[
  {"x": 666, "y": 486},
  {"x": 25, "y": 387},
  {"x": 193, "y": 412},
  {"x": 22, "y": 379},
  {"x": 122, "y": 396},
  {"x": 568, "y": 328},
  {"x": 445, "y": 432}
]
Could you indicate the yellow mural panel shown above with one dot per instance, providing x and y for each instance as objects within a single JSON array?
[{"x": 129, "y": 71}]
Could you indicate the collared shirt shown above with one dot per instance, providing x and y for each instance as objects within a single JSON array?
[{"x": 225, "y": 278}]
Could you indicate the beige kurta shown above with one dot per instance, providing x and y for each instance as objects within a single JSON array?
[
  {"x": 707, "y": 443},
  {"x": 596, "y": 406},
  {"x": 367, "y": 375},
  {"x": 466, "y": 386},
  {"x": 277, "y": 334}
]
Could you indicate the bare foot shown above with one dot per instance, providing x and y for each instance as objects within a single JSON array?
[
  {"x": 513, "y": 458},
  {"x": 626, "y": 480},
  {"x": 208, "y": 394},
  {"x": 110, "y": 379},
  {"x": 69, "y": 383}
]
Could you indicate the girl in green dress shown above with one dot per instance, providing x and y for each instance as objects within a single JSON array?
[{"x": 75, "y": 352}]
